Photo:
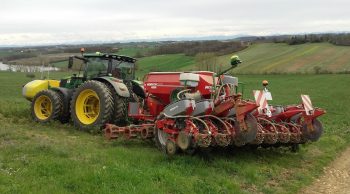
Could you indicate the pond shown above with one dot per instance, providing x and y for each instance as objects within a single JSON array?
[{"x": 24, "y": 68}]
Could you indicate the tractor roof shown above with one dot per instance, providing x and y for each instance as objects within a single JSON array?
[{"x": 110, "y": 56}]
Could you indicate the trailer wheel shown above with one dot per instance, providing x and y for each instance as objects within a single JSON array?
[
  {"x": 91, "y": 105},
  {"x": 47, "y": 105},
  {"x": 160, "y": 137},
  {"x": 315, "y": 134}
]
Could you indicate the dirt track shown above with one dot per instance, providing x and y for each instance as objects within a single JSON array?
[{"x": 336, "y": 178}]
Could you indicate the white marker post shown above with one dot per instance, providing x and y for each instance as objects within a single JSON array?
[
  {"x": 309, "y": 109},
  {"x": 261, "y": 100}
]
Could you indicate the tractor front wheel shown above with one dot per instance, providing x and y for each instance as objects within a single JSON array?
[
  {"x": 47, "y": 105},
  {"x": 91, "y": 105}
]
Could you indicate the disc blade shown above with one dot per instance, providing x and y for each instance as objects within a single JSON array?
[
  {"x": 245, "y": 136},
  {"x": 183, "y": 140}
]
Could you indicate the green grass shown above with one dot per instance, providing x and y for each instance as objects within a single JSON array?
[
  {"x": 4, "y": 53},
  {"x": 173, "y": 62},
  {"x": 132, "y": 51},
  {"x": 55, "y": 158},
  {"x": 267, "y": 58},
  {"x": 60, "y": 64}
]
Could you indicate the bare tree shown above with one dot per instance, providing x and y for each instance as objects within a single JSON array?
[{"x": 206, "y": 61}]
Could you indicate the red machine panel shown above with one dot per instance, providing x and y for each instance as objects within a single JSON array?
[{"x": 161, "y": 84}]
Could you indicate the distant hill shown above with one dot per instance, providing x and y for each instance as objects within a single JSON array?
[
  {"x": 276, "y": 58},
  {"x": 258, "y": 58},
  {"x": 265, "y": 58}
]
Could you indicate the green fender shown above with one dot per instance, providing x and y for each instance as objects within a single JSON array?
[{"x": 117, "y": 84}]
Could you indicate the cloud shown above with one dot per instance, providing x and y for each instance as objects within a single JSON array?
[{"x": 45, "y": 21}]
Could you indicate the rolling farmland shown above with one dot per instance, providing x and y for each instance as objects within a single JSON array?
[
  {"x": 272, "y": 58},
  {"x": 60, "y": 159}
]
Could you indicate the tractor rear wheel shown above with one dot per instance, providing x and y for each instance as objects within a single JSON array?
[
  {"x": 91, "y": 105},
  {"x": 47, "y": 105},
  {"x": 120, "y": 110}
]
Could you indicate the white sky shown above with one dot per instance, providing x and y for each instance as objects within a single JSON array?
[{"x": 61, "y": 21}]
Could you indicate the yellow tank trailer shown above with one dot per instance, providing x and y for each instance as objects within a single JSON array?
[{"x": 32, "y": 88}]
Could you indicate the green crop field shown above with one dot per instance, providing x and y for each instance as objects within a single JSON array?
[
  {"x": 4, "y": 53},
  {"x": 265, "y": 58},
  {"x": 55, "y": 158},
  {"x": 60, "y": 64},
  {"x": 173, "y": 62},
  {"x": 272, "y": 58},
  {"x": 132, "y": 51}
]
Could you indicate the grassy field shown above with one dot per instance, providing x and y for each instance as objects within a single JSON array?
[
  {"x": 132, "y": 51},
  {"x": 47, "y": 59},
  {"x": 5, "y": 52},
  {"x": 173, "y": 62},
  {"x": 55, "y": 158},
  {"x": 280, "y": 58},
  {"x": 60, "y": 64},
  {"x": 262, "y": 58}
]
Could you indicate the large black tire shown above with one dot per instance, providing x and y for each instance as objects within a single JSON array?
[
  {"x": 102, "y": 101},
  {"x": 120, "y": 108},
  {"x": 65, "y": 115},
  {"x": 46, "y": 106},
  {"x": 120, "y": 111}
]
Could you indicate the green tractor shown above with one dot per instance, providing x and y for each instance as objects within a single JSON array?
[{"x": 98, "y": 95}]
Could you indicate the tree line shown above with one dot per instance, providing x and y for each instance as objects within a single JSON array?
[
  {"x": 191, "y": 48},
  {"x": 340, "y": 39}
]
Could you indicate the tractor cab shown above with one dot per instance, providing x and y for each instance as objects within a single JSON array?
[
  {"x": 102, "y": 64},
  {"x": 118, "y": 66},
  {"x": 99, "y": 65}
]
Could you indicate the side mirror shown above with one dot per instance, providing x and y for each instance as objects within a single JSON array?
[
  {"x": 235, "y": 60},
  {"x": 70, "y": 62}
]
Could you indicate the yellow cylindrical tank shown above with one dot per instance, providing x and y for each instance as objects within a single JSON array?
[{"x": 32, "y": 88}]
